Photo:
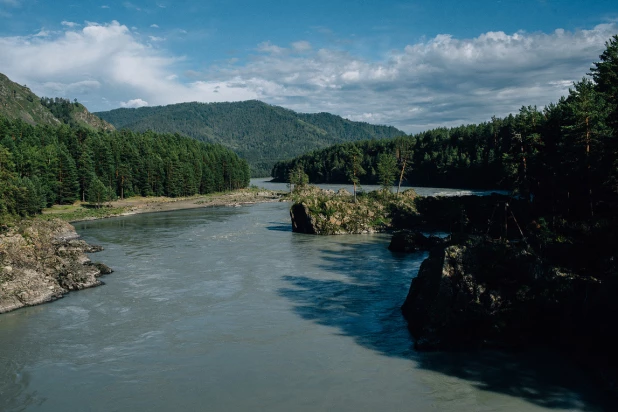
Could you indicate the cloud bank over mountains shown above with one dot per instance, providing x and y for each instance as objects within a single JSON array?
[{"x": 440, "y": 81}]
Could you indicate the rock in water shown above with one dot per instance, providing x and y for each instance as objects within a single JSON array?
[
  {"x": 322, "y": 212},
  {"x": 103, "y": 268},
  {"x": 301, "y": 219}
]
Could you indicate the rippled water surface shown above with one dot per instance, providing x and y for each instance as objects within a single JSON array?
[{"x": 225, "y": 309}]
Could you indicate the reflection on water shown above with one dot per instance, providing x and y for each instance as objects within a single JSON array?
[{"x": 226, "y": 309}]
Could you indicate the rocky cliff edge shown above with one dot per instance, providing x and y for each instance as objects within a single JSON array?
[{"x": 41, "y": 261}]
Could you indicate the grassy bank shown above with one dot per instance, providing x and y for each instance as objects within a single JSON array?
[{"x": 85, "y": 211}]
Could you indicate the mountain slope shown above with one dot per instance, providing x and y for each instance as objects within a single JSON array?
[
  {"x": 261, "y": 133},
  {"x": 18, "y": 102}
]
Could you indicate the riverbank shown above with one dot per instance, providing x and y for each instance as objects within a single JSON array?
[{"x": 80, "y": 211}]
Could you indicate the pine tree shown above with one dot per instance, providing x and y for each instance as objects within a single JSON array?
[
  {"x": 387, "y": 170},
  {"x": 404, "y": 156},
  {"x": 586, "y": 131},
  {"x": 86, "y": 172},
  {"x": 354, "y": 168},
  {"x": 297, "y": 178},
  {"x": 605, "y": 75},
  {"x": 97, "y": 192},
  {"x": 68, "y": 185}
]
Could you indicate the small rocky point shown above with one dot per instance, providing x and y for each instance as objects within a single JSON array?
[{"x": 40, "y": 261}]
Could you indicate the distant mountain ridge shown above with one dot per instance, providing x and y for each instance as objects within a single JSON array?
[
  {"x": 18, "y": 102},
  {"x": 261, "y": 133}
]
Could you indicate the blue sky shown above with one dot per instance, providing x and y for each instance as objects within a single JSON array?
[{"x": 411, "y": 64}]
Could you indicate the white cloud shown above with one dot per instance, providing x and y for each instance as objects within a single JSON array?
[
  {"x": 69, "y": 24},
  {"x": 439, "y": 81},
  {"x": 155, "y": 38},
  {"x": 268, "y": 47},
  {"x": 105, "y": 7},
  {"x": 135, "y": 103},
  {"x": 301, "y": 46},
  {"x": 447, "y": 81},
  {"x": 154, "y": 26},
  {"x": 53, "y": 89},
  {"x": 111, "y": 60},
  {"x": 42, "y": 33}
]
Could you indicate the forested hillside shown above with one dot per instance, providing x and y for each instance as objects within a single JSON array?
[
  {"x": 260, "y": 133},
  {"x": 564, "y": 156},
  {"x": 45, "y": 165},
  {"x": 18, "y": 102},
  {"x": 475, "y": 156}
]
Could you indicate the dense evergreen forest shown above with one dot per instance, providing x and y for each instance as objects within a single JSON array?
[
  {"x": 260, "y": 133},
  {"x": 564, "y": 157},
  {"x": 45, "y": 165}
]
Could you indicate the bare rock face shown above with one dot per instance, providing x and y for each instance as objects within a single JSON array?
[{"x": 40, "y": 261}]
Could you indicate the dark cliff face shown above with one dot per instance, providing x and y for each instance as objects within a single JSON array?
[{"x": 482, "y": 293}]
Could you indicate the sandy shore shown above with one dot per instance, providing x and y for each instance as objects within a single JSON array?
[{"x": 135, "y": 205}]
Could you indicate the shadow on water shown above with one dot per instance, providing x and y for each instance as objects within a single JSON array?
[
  {"x": 278, "y": 227},
  {"x": 360, "y": 294}
]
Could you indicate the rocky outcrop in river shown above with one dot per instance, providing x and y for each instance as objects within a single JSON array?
[
  {"x": 324, "y": 212},
  {"x": 40, "y": 261}
]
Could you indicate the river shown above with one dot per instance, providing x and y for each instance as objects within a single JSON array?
[{"x": 225, "y": 309}]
